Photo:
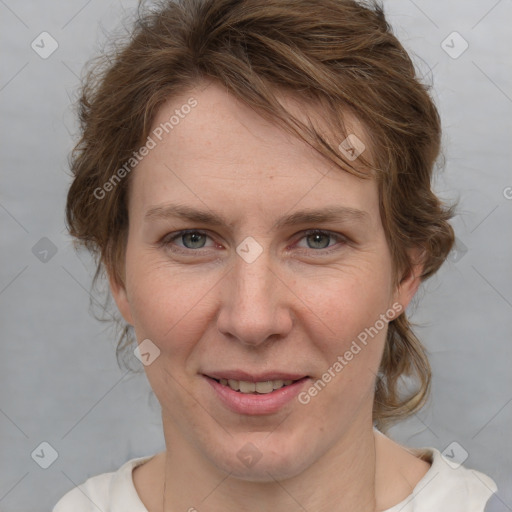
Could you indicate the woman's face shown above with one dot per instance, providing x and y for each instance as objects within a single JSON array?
[{"x": 284, "y": 275}]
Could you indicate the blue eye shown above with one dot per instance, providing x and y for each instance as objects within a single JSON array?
[
  {"x": 187, "y": 241},
  {"x": 318, "y": 239},
  {"x": 191, "y": 239}
]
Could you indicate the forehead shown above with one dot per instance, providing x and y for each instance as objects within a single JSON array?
[
  {"x": 223, "y": 122},
  {"x": 211, "y": 147}
]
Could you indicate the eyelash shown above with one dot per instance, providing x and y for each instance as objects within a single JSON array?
[{"x": 167, "y": 240}]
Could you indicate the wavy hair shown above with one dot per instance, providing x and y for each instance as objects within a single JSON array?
[{"x": 339, "y": 55}]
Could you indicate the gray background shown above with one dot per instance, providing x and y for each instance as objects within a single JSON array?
[{"x": 60, "y": 382}]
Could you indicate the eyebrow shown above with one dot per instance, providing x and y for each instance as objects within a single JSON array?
[{"x": 309, "y": 216}]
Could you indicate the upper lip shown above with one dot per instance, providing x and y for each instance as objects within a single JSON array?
[{"x": 253, "y": 377}]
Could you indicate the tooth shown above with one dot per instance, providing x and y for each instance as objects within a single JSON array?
[
  {"x": 252, "y": 387},
  {"x": 234, "y": 384},
  {"x": 277, "y": 384},
  {"x": 247, "y": 387},
  {"x": 264, "y": 387}
]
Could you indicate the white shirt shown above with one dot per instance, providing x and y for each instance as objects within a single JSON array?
[{"x": 444, "y": 488}]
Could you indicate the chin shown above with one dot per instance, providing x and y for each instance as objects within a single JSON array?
[{"x": 265, "y": 461}]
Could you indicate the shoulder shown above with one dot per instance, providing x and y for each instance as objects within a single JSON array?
[
  {"x": 447, "y": 486},
  {"x": 109, "y": 492}
]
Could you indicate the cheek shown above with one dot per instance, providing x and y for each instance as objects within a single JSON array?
[
  {"x": 169, "y": 305},
  {"x": 350, "y": 337},
  {"x": 343, "y": 302},
  {"x": 349, "y": 358}
]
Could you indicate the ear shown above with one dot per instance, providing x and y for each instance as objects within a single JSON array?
[
  {"x": 121, "y": 297},
  {"x": 410, "y": 282}
]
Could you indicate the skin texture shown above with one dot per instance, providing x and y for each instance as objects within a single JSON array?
[{"x": 296, "y": 308}]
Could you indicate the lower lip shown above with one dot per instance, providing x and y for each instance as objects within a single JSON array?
[{"x": 253, "y": 404}]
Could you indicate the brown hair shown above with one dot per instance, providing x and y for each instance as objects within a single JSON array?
[{"x": 339, "y": 54}]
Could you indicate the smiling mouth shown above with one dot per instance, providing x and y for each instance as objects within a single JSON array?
[{"x": 255, "y": 388}]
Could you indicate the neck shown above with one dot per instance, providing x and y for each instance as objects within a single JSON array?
[{"x": 342, "y": 479}]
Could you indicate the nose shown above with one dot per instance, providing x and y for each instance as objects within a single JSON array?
[{"x": 254, "y": 307}]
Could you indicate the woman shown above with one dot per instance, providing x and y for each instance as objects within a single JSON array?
[{"x": 255, "y": 179}]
